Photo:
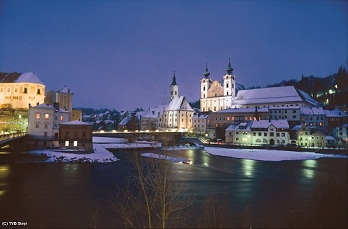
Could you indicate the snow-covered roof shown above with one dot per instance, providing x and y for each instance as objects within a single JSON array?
[
  {"x": 44, "y": 106},
  {"x": 179, "y": 103},
  {"x": 334, "y": 113},
  {"x": 65, "y": 90},
  {"x": 266, "y": 123},
  {"x": 76, "y": 123},
  {"x": 154, "y": 112},
  {"x": 28, "y": 77},
  {"x": 272, "y": 95},
  {"x": 125, "y": 120},
  {"x": 243, "y": 110},
  {"x": 200, "y": 116},
  {"x": 312, "y": 111},
  {"x": 240, "y": 126}
]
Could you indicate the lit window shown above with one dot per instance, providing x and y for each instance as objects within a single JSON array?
[
  {"x": 61, "y": 118},
  {"x": 66, "y": 143},
  {"x": 37, "y": 115},
  {"x": 75, "y": 143},
  {"x": 47, "y": 116}
]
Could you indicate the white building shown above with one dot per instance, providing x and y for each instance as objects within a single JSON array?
[
  {"x": 178, "y": 114},
  {"x": 152, "y": 118},
  {"x": 200, "y": 123},
  {"x": 19, "y": 90},
  {"x": 43, "y": 125},
  {"x": 273, "y": 97},
  {"x": 310, "y": 137},
  {"x": 215, "y": 95},
  {"x": 262, "y": 132}
]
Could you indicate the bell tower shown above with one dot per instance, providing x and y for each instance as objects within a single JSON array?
[
  {"x": 229, "y": 81},
  {"x": 174, "y": 89}
]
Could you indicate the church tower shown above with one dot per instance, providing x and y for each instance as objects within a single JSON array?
[
  {"x": 205, "y": 83},
  {"x": 64, "y": 99},
  {"x": 229, "y": 82},
  {"x": 174, "y": 89}
]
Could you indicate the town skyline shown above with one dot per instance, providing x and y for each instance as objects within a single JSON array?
[{"x": 124, "y": 53}]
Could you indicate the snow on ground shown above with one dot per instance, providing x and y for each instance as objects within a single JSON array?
[
  {"x": 100, "y": 154},
  {"x": 182, "y": 147},
  {"x": 108, "y": 140},
  {"x": 164, "y": 157},
  {"x": 268, "y": 155}
]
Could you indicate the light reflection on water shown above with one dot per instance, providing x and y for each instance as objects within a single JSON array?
[
  {"x": 310, "y": 167},
  {"x": 4, "y": 174},
  {"x": 248, "y": 167}
]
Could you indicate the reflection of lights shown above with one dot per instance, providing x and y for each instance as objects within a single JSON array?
[
  {"x": 2, "y": 192},
  {"x": 248, "y": 167},
  {"x": 309, "y": 171},
  {"x": 70, "y": 168},
  {"x": 4, "y": 171}
]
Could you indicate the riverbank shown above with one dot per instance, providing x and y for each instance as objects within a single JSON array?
[{"x": 282, "y": 148}]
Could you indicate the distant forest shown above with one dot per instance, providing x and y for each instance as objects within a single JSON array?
[{"x": 331, "y": 91}]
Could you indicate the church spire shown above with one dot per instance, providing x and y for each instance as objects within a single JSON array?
[
  {"x": 229, "y": 68},
  {"x": 206, "y": 73},
  {"x": 174, "y": 79}
]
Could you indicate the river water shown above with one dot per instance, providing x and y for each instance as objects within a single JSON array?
[{"x": 246, "y": 193}]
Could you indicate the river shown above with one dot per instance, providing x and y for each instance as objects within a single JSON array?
[{"x": 246, "y": 193}]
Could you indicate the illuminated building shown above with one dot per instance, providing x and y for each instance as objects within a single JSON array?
[{"x": 19, "y": 90}]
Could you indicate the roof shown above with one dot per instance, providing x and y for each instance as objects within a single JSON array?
[
  {"x": 240, "y": 126},
  {"x": 15, "y": 77},
  {"x": 76, "y": 123},
  {"x": 272, "y": 95},
  {"x": 179, "y": 103},
  {"x": 154, "y": 112},
  {"x": 243, "y": 110},
  {"x": 334, "y": 113},
  {"x": 44, "y": 106},
  {"x": 65, "y": 90},
  {"x": 266, "y": 123},
  {"x": 312, "y": 111}
]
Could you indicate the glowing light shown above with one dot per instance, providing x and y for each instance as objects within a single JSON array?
[
  {"x": 248, "y": 167},
  {"x": 309, "y": 170},
  {"x": 4, "y": 171}
]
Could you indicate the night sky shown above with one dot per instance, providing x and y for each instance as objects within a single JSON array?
[{"x": 122, "y": 54}]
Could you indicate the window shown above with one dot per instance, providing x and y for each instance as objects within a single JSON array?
[
  {"x": 38, "y": 91},
  {"x": 46, "y": 125},
  {"x": 37, "y": 115},
  {"x": 66, "y": 143},
  {"x": 75, "y": 143},
  {"x": 265, "y": 134},
  {"x": 37, "y": 124},
  {"x": 47, "y": 116},
  {"x": 25, "y": 90}
]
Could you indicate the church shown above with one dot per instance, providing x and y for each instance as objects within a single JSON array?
[
  {"x": 178, "y": 113},
  {"x": 216, "y": 95}
]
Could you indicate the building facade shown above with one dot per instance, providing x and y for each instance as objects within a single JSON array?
[
  {"x": 217, "y": 95},
  {"x": 259, "y": 132},
  {"x": 178, "y": 114},
  {"x": 43, "y": 125},
  {"x": 76, "y": 135},
  {"x": 19, "y": 90}
]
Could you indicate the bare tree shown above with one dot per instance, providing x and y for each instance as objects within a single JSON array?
[{"x": 151, "y": 198}]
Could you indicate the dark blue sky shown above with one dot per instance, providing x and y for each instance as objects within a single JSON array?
[{"x": 122, "y": 54}]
